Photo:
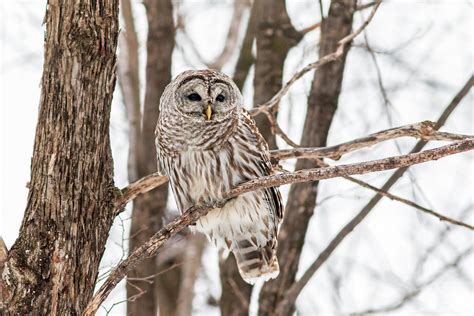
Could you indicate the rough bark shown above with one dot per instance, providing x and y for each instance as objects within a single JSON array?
[
  {"x": 322, "y": 105},
  {"x": 149, "y": 209},
  {"x": 52, "y": 266}
]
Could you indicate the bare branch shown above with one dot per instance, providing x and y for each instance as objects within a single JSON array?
[
  {"x": 410, "y": 295},
  {"x": 151, "y": 247},
  {"x": 231, "y": 38},
  {"x": 149, "y": 278},
  {"x": 310, "y": 28},
  {"x": 424, "y": 130},
  {"x": 366, "y": 6},
  {"x": 275, "y": 100},
  {"x": 309, "y": 175},
  {"x": 138, "y": 187},
  {"x": 276, "y": 129},
  {"x": 394, "y": 197}
]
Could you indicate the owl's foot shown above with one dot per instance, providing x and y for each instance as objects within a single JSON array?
[
  {"x": 211, "y": 205},
  {"x": 205, "y": 204}
]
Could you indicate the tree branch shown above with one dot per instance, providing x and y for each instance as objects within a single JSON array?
[
  {"x": 151, "y": 247},
  {"x": 423, "y": 130},
  {"x": 309, "y": 175},
  {"x": 138, "y": 187},
  {"x": 310, "y": 28},
  {"x": 394, "y": 197}
]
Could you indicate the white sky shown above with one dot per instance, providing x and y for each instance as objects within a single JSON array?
[{"x": 433, "y": 45}]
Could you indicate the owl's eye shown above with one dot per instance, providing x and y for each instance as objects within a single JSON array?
[
  {"x": 220, "y": 98},
  {"x": 194, "y": 97}
]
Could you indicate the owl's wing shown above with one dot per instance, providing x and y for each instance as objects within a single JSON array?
[
  {"x": 272, "y": 195},
  {"x": 159, "y": 154}
]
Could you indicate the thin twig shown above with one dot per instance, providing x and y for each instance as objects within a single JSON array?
[
  {"x": 394, "y": 197},
  {"x": 151, "y": 247},
  {"x": 418, "y": 288},
  {"x": 275, "y": 100},
  {"x": 276, "y": 129}
]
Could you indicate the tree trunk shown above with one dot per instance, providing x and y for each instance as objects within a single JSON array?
[
  {"x": 246, "y": 59},
  {"x": 148, "y": 210},
  {"x": 52, "y": 267},
  {"x": 275, "y": 37},
  {"x": 322, "y": 105}
]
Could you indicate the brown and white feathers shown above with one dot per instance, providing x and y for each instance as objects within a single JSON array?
[{"x": 207, "y": 144}]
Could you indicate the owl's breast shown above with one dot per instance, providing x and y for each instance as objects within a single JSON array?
[{"x": 203, "y": 175}]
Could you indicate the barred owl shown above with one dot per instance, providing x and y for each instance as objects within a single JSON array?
[{"x": 207, "y": 143}]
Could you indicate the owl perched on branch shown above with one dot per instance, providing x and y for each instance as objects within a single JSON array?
[{"x": 207, "y": 143}]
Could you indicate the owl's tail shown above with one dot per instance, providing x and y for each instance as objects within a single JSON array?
[{"x": 256, "y": 262}]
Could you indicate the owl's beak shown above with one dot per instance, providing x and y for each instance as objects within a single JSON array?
[{"x": 209, "y": 111}]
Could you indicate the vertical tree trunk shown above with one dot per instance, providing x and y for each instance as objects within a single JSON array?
[
  {"x": 149, "y": 209},
  {"x": 246, "y": 59},
  {"x": 52, "y": 267},
  {"x": 275, "y": 36},
  {"x": 129, "y": 82},
  {"x": 322, "y": 105}
]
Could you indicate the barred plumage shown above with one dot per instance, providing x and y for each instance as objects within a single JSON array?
[{"x": 207, "y": 144}]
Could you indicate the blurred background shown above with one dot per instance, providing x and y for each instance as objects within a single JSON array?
[{"x": 405, "y": 67}]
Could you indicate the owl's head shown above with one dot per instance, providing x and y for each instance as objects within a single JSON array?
[{"x": 202, "y": 96}]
